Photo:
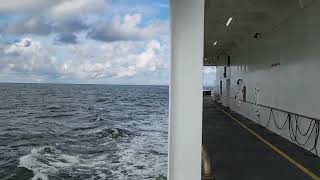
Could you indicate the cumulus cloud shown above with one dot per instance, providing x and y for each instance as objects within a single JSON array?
[
  {"x": 27, "y": 57},
  {"x": 69, "y": 26},
  {"x": 109, "y": 60},
  {"x": 127, "y": 29},
  {"x": 42, "y": 17},
  {"x": 115, "y": 60},
  {"x": 25, "y": 6},
  {"x": 66, "y": 18},
  {"x": 149, "y": 56},
  {"x": 30, "y": 26},
  {"x": 77, "y": 8},
  {"x": 85, "y": 40},
  {"x": 67, "y": 38},
  {"x": 65, "y": 30},
  {"x": 56, "y": 8}
]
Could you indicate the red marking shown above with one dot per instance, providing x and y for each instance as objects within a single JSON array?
[{"x": 275, "y": 64}]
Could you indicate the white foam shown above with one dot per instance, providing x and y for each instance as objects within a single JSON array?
[
  {"x": 40, "y": 176},
  {"x": 52, "y": 162},
  {"x": 44, "y": 163},
  {"x": 135, "y": 160}
]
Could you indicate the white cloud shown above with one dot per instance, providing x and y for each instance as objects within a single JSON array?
[
  {"x": 117, "y": 59},
  {"x": 86, "y": 40},
  {"x": 43, "y": 17},
  {"x": 53, "y": 8},
  {"x": 30, "y": 25},
  {"x": 108, "y": 60},
  {"x": 128, "y": 72},
  {"x": 25, "y": 6},
  {"x": 77, "y": 8},
  {"x": 126, "y": 29},
  {"x": 28, "y": 57},
  {"x": 66, "y": 18},
  {"x": 149, "y": 56}
]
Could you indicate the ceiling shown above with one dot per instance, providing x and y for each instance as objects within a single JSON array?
[{"x": 248, "y": 18}]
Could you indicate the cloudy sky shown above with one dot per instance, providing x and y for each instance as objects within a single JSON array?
[{"x": 85, "y": 41}]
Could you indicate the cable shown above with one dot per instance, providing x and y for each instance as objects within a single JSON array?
[
  {"x": 268, "y": 120},
  {"x": 304, "y": 134},
  {"x": 317, "y": 134},
  {"x": 275, "y": 122},
  {"x": 295, "y": 131},
  {"x": 293, "y": 124}
]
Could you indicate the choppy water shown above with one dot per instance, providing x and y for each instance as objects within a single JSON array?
[{"x": 83, "y": 132}]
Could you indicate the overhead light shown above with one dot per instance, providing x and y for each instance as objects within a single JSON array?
[
  {"x": 215, "y": 43},
  {"x": 229, "y": 21}
]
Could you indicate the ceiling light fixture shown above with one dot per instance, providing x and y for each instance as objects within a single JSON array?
[
  {"x": 215, "y": 43},
  {"x": 229, "y": 21}
]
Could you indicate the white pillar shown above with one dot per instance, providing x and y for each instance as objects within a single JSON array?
[
  {"x": 228, "y": 92},
  {"x": 185, "y": 126},
  {"x": 214, "y": 83},
  {"x": 228, "y": 81}
]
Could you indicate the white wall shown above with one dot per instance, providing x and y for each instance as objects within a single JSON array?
[{"x": 294, "y": 85}]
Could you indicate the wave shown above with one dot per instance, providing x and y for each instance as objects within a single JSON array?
[
  {"x": 84, "y": 132},
  {"x": 111, "y": 132},
  {"x": 102, "y": 100},
  {"x": 84, "y": 128},
  {"x": 54, "y": 116},
  {"x": 95, "y": 118},
  {"x": 54, "y": 107},
  {"x": 47, "y": 161},
  {"x": 51, "y": 163}
]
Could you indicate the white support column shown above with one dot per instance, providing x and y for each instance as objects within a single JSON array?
[
  {"x": 228, "y": 82},
  {"x": 185, "y": 127},
  {"x": 228, "y": 92},
  {"x": 214, "y": 83}
]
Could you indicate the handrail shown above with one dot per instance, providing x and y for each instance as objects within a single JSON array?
[
  {"x": 294, "y": 129},
  {"x": 281, "y": 110}
]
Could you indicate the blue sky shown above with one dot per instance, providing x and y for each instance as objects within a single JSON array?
[{"x": 85, "y": 41}]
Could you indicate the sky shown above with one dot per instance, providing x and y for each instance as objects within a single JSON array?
[{"x": 85, "y": 41}]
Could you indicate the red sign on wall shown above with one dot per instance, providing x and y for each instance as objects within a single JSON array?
[{"x": 275, "y": 64}]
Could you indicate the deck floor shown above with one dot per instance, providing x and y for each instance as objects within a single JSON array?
[{"x": 234, "y": 153}]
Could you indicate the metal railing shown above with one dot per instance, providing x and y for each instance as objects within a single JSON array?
[
  {"x": 277, "y": 109},
  {"x": 293, "y": 125}
]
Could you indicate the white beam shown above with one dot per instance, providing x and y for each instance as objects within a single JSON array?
[{"x": 185, "y": 127}]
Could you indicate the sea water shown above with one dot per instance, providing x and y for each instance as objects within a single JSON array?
[{"x": 57, "y": 131}]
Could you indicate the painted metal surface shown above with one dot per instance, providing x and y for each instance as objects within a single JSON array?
[
  {"x": 280, "y": 70},
  {"x": 185, "y": 126}
]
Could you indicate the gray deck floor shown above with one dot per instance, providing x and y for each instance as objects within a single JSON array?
[{"x": 234, "y": 153}]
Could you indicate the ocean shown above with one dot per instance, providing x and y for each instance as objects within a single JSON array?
[{"x": 57, "y": 131}]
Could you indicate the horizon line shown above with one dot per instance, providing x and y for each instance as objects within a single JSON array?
[
  {"x": 89, "y": 84},
  {"x": 83, "y": 83}
]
